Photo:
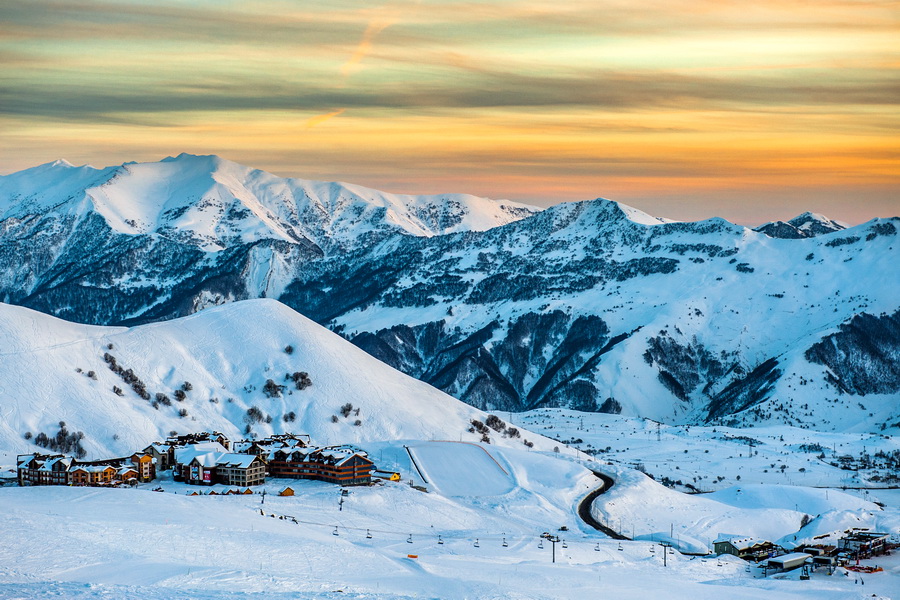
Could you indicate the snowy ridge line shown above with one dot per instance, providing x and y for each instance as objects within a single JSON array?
[{"x": 482, "y": 448}]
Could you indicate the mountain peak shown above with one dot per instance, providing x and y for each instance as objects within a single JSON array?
[{"x": 807, "y": 225}]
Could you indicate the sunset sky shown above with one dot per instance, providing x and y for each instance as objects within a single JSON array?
[{"x": 752, "y": 111}]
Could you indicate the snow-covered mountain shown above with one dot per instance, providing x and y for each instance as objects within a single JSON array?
[
  {"x": 209, "y": 371},
  {"x": 806, "y": 225},
  {"x": 214, "y": 203},
  {"x": 591, "y": 305}
]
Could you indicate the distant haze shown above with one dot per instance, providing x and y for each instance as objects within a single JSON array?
[{"x": 684, "y": 109}]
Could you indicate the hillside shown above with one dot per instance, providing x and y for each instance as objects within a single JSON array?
[
  {"x": 53, "y": 371},
  {"x": 591, "y": 305}
]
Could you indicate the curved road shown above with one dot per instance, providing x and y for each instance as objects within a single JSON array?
[{"x": 584, "y": 507}]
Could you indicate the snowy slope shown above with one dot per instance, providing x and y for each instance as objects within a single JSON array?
[{"x": 55, "y": 371}]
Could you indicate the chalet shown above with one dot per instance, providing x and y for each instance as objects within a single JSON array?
[
  {"x": 57, "y": 469},
  {"x": 196, "y": 463},
  {"x": 144, "y": 465},
  {"x": 43, "y": 469},
  {"x": 89, "y": 474},
  {"x": 128, "y": 474},
  {"x": 746, "y": 548},
  {"x": 864, "y": 544},
  {"x": 240, "y": 469},
  {"x": 343, "y": 465},
  {"x": 288, "y": 491},
  {"x": 207, "y": 463},
  {"x": 266, "y": 446},
  {"x": 162, "y": 454}
]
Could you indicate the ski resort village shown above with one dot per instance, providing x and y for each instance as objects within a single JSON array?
[{"x": 216, "y": 383}]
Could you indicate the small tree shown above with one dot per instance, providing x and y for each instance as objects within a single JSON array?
[
  {"x": 180, "y": 395},
  {"x": 118, "y": 391},
  {"x": 272, "y": 389},
  {"x": 288, "y": 349},
  {"x": 186, "y": 386},
  {"x": 345, "y": 410},
  {"x": 495, "y": 423}
]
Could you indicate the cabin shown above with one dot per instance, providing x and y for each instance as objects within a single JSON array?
[
  {"x": 864, "y": 544},
  {"x": 386, "y": 475},
  {"x": 746, "y": 548},
  {"x": 288, "y": 491},
  {"x": 127, "y": 474}
]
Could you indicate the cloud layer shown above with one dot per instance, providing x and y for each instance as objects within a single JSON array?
[{"x": 688, "y": 109}]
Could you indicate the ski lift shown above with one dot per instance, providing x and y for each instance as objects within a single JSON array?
[
  {"x": 597, "y": 547},
  {"x": 541, "y": 544},
  {"x": 476, "y": 543},
  {"x": 335, "y": 532},
  {"x": 368, "y": 534},
  {"x": 564, "y": 544},
  {"x": 440, "y": 540},
  {"x": 409, "y": 539},
  {"x": 652, "y": 549},
  {"x": 505, "y": 545},
  {"x": 621, "y": 549}
]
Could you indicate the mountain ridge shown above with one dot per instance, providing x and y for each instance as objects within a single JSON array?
[{"x": 591, "y": 304}]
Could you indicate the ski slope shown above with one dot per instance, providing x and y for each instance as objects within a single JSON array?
[{"x": 461, "y": 469}]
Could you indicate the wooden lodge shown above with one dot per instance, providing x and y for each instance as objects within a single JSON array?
[{"x": 343, "y": 465}]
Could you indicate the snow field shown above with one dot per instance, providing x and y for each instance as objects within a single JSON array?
[{"x": 84, "y": 543}]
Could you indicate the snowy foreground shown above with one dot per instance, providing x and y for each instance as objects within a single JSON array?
[{"x": 488, "y": 505}]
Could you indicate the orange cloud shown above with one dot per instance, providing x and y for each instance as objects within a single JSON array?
[
  {"x": 319, "y": 119},
  {"x": 374, "y": 27}
]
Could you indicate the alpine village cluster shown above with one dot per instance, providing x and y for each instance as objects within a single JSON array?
[{"x": 207, "y": 458}]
